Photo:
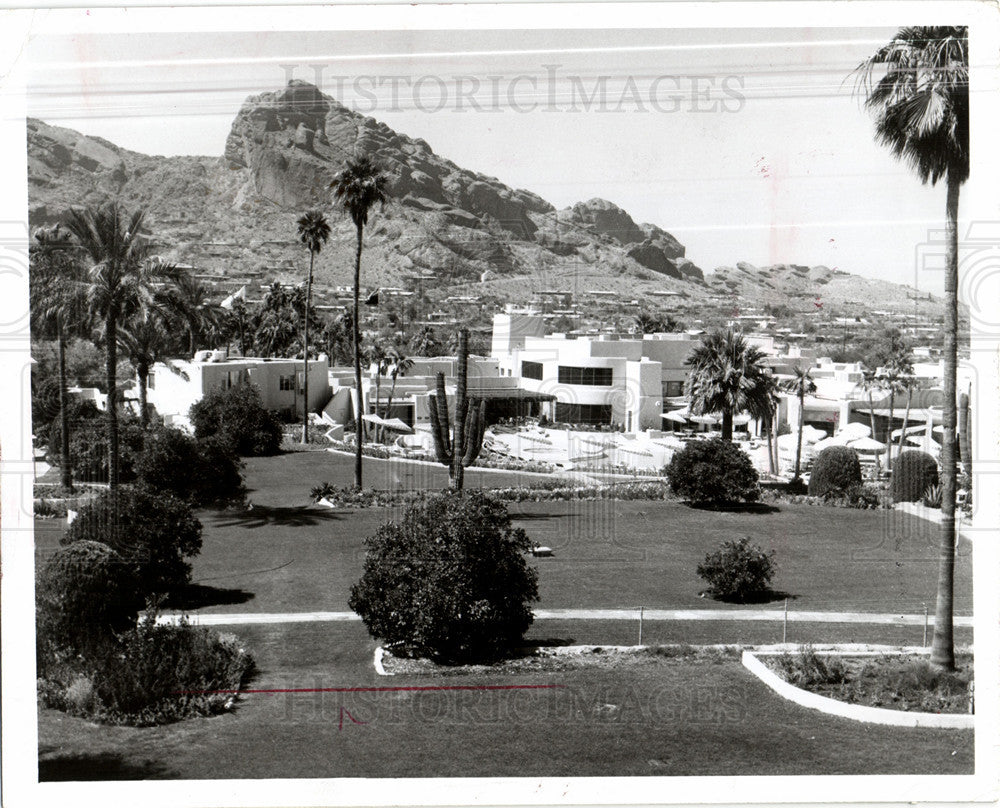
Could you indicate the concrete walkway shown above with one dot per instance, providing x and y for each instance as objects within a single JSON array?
[{"x": 737, "y": 615}]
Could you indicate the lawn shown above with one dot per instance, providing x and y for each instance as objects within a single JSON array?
[
  {"x": 286, "y": 555},
  {"x": 663, "y": 718}
]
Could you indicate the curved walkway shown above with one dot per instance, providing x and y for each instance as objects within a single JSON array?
[{"x": 737, "y": 615}]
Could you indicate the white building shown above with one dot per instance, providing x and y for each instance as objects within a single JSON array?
[{"x": 173, "y": 389}]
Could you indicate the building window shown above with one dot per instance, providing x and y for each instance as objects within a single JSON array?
[
  {"x": 673, "y": 389},
  {"x": 583, "y": 413},
  {"x": 286, "y": 382},
  {"x": 594, "y": 377},
  {"x": 151, "y": 380},
  {"x": 531, "y": 370}
]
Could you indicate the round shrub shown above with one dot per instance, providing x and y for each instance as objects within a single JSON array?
[
  {"x": 738, "y": 571},
  {"x": 153, "y": 532},
  {"x": 83, "y": 594},
  {"x": 201, "y": 472},
  {"x": 913, "y": 472},
  {"x": 237, "y": 417},
  {"x": 836, "y": 468},
  {"x": 450, "y": 581},
  {"x": 713, "y": 471}
]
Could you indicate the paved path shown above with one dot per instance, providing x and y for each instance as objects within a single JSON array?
[{"x": 739, "y": 615}]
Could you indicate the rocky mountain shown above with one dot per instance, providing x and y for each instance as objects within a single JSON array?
[{"x": 237, "y": 212}]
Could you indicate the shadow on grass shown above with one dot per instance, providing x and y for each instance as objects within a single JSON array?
[
  {"x": 266, "y": 516},
  {"x": 194, "y": 596},
  {"x": 767, "y": 596},
  {"x": 100, "y": 766},
  {"x": 735, "y": 507}
]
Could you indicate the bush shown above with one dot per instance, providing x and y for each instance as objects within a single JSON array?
[
  {"x": 913, "y": 473},
  {"x": 153, "y": 532},
  {"x": 88, "y": 447},
  {"x": 152, "y": 674},
  {"x": 78, "y": 412},
  {"x": 836, "y": 468},
  {"x": 933, "y": 496},
  {"x": 863, "y": 496},
  {"x": 83, "y": 594},
  {"x": 713, "y": 471},
  {"x": 238, "y": 419},
  {"x": 450, "y": 581},
  {"x": 201, "y": 472},
  {"x": 738, "y": 571}
]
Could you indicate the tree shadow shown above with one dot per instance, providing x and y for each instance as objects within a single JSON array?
[
  {"x": 522, "y": 516},
  {"x": 735, "y": 507},
  {"x": 93, "y": 766},
  {"x": 257, "y": 516},
  {"x": 195, "y": 596},
  {"x": 757, "y": 598}
]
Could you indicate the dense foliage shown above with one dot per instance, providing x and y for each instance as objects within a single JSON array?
[
  {"x": 88, "y": 445},
  {"x": 153, "y": 532},
  {"x": 713, "y": 471},
  {"x": 913, "y": 472},
  {"x": 199, "y": 471},
  {"x": 237, "y": 417},
  {"x": 738, "y": 571},
  {"x": 83, "y": 594},
  {"x": 836, "y": 468},
  {"x": 449, "y": 581}
]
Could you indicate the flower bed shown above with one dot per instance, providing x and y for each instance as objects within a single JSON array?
[{"x": 897, "y": 682}]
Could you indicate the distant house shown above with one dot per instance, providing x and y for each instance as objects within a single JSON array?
[{"x": 174, "y": 388}]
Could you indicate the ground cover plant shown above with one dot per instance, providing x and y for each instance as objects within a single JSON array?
[
  {"x": 713, "y": 471},
  {"x": 899, "y": 682},
  {"x": 448, "y": 581}
]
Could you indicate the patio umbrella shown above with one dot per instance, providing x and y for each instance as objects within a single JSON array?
[
  {"x": 675, "y": 416},
  {"x": 867, "y": 445},
  {"x": 398, "y": 425},
  {"x": 704, "y": 419}
]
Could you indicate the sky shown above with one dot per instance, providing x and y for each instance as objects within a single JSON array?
[{"x": 747, "y": 145}]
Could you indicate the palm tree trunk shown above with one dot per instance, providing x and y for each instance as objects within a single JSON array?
[
  {"x": 770, "y": 449},
  {"x": 802, "y": 420},
  {"x": 965, "y": 436},
  {"x": 727, "y": 424},
  {"x": 111, "y": 372},
  {"x": 871, "y": 414},
  {"x": 906, "y": 421},
  {"x": 65, "y": 472},
  {"x": 142, "y": 371},
  {"x": 888, "y": 429},
  {"x": 943, "y": 645},
  {"x": 358, "y": 433},
  {"x": 305, "y": 353}
]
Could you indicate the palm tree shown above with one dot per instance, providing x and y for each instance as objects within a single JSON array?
[
  {"x": 117, "y": 285},
  {"x": 801, "y": 385},
  {"x": 56, "y": 278},
  {"x": 871, "y": 382},
  {"x": 921, "y": 107},
  {"x": 314, "y": 232},
  {"x": 358, "y": 188},
  {"x": 187, "y": 298},
  {"x": 895, "y": 373},
  {"x": 143, "y": 338},
  {"x": 379, "y": 358},
  {"x": 400, "y": 367},
  {"x": 907, "y": 382},
  {"x": 728, "y": 376}
]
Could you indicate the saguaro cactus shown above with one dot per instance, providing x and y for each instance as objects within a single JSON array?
[{"x": 460, "y": 449}]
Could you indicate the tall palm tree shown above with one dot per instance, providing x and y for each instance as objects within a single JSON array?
[
  {"x": 56, "y": 282},
  {"x": 871, "y": 382},
  {"x": 187, "y": 298},
  {"x": 358, "y": 188},
  {"x": 801, "y": 384},
  {"x": 400, "y": 367},
  {"x": 379, "y": 358},
  {"x": 118, "y": 284},
  {"x": 314, "y": 232},
  {"x": 917, "y": 88},
  {"x": 727, "y": 376}
]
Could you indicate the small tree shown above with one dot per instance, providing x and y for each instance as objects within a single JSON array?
[
  {"x": 713, "y": 471},
  {"x": 153, "y": 532},
  {"x": 738, "y": 571},
  {"x": 237, "y": 417},
  {"x": 449, "y": 581},
  {"x": 200, "y": 471},
  {"x": 836, "y": 468}
]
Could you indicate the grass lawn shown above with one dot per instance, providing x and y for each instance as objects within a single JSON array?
[
  {"x": 285, "y": 555},
  {"x": 662, "y": 718}
]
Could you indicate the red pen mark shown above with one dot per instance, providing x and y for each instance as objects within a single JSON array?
[{"x": 344, "y": 710}]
